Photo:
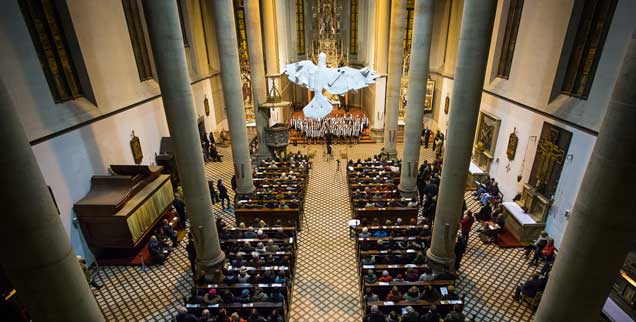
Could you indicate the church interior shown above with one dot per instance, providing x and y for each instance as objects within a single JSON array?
[{"x": 318, "y": 160}]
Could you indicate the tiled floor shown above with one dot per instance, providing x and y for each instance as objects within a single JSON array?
[{"x": 326, "y": 285}]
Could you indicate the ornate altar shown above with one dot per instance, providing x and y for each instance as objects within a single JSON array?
[
  {"x": 120, "y": 210},
  {"x": 548, "y": 163},
  {"x": 329, "y": 38},
  {"x": 486, "y": 140}
]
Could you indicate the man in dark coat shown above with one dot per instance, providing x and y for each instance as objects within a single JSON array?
[
  {"x": 180, "y": 206},
  {"x": 223, "y": 195},
  {"x": 426, "y": 133},
  {"x": 213, "y": 195},
  {"x": 460, "y": 249}
]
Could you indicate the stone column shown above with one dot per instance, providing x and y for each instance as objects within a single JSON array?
[
  {"x": 602, "y": 225},
  {"x": 231, "y": 80},
  {"x": 418, "y": 72},
  {"x": 396, "y": 56},
  {"x": 257, "y": 70},
  {"x": 381, "y": 59},
  {"x": 269, "y": 38},
  {"x": 474, "y": 43},
  {"x": 172, "y": 71},
  {"x": 37, "y": 254}
]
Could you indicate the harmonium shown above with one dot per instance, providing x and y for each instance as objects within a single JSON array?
[{"x": 120, "y": 210}]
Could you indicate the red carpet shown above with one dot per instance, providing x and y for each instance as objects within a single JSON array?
[{"x": 507, "y": 240}]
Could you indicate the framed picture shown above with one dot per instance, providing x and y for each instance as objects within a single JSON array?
[
  {"x": 135, "y": 147},
  {"x": 513, "y": 140},
  {"x": 206, "y": 106},
  {"x": 430, "y": 93}
]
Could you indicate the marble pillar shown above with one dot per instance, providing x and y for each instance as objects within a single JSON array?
[
  {"x": 37, "y": 255},
  {"x": 418, "y": 72},
  {"x": 381, "y": 60},
  {"x": 472, "y": 56},
  {"x": 231, "y": 80},
  {"x": 166, "y": 39},
  {"x": 602, "y": 225},
  {"x": 257, "y": 71},
  {"x": 396, "y": 57}
]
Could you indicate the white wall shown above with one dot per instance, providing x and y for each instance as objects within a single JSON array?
[
  {"x": 69, "y": 161},
  {"x": 529, "y": 124}
]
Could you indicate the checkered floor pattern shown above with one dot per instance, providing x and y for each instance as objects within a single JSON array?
[{"x": 326, "y": 286}]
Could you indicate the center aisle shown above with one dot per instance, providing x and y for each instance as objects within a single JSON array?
[{"x": 326, "y": 285}]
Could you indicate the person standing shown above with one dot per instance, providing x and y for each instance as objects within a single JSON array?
[
  {"x": 223, "y": 195},
  {"x": 212, "y": 140},
  {"x": 426, "y": 133},
  {"x": 233, "y": 183},
  {"x": 460, "y": 249},
  {"x": 213, "y": 195},
  {"x": 180, "y": 206},
  {"x": 192, "y": 255},
  {"x": 466, "y": 224}
]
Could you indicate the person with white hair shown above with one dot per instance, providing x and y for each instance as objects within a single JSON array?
[
  {"x": 365, "y": 233},
  {"x": 374, "y": 315},
  {"x": 184, "y": 316}
]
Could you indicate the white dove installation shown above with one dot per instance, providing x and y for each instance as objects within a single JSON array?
[{"x": 336, "y": 81}]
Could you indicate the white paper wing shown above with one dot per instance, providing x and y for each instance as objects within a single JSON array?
[
  {"x": 301, "y": 73},
  {"x": 343, "y": 79}
]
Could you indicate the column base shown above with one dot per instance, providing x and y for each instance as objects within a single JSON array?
[
  {"x": 438, "y": 263},
  {"x": 407, "y": 192},
  {"x": 390, "y": 155},
  {"x": 211, "y": 270},
  {"x": 245, "y": 190},
  {"x": 378, "y": 135}
]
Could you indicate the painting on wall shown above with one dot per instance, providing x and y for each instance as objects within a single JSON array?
[
  {"x": 430, "y": 94},
  {"x": 486, "y": 140},
  {"x": 552, "y": 150},
  {"x": 135, "y": 148},
  {"x": 447, "y": 105},
  {"x": 206, "y": 106},
  {"x": 513, "y": 141}
]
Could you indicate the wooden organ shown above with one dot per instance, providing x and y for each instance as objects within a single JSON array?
[{"x": 121, "y": 209}]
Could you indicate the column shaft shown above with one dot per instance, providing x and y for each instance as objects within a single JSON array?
[
  {"x": 602, "y": 226},
  {"x": 257, "y": 71},
  {"x": 270, "y": 40},
  {"x": 231, "y": 80},
  {"x": 381, "y": 60},
  {"x": 418, "y": 71},
  {"x": 474, "y": 43},
  {"x": 37, "y": 254},
  {"x": 172, "y": 71},
  {"x": 396, "y": 57}
]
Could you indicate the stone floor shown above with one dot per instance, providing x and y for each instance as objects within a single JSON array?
[{"x": 326, "y": 286}]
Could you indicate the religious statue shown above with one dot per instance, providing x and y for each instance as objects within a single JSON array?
[{"x": 336, "y": 81}]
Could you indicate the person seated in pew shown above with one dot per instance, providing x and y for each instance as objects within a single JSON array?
[
  {"x": 256, "y": 260},
  {"x": 374, "y": 315},
  {"x": 229, "y": 277},
  {"x": 411, "y": 275},
  {"x": 243, "y": 277},
  {"x": 249, "y": 234},
  {"x": 214, "y": 154},
  {"x": 427, "y": 275},
  {"x": 380, "y": 233},
  {"x": 451, "y": 295},
  {"x": 255, "y": 316},
  {"x": 235, "y": 317},
  {"x": 184, "y": 316},
  {"x": 206, "y": 316},
  {"x": 369, "y": 296},
  {"x": 413, "y": 294},
  {"x": 276, "y": 296},
  {"x": 245, "y": 296},
  {"x": 431, "y": 315},
  {"x": 365, "y": 233},
  {"x": 158, "y": 254},
  {"x": 430, "y": 294},
  {"x": 368, "y": 260},
  {"x": 258, "y": 295},
  {"x": 386, "y": 277},
  {"x": 212, "y": 298},
  {"x": 281, "y": 278},
  {"x": 484, "y": 214},
  {"x": 455, "y": 315},
  {"x": 238, "y": 261},
  {"x": 260, "y": 248},
  {"x": 394, "y": 294},
  {"x": 194, "y": 297},
  {"x": 411, "y": 315},
  {"x": 370, "y": 277},
  {"x": 227, "y": 297}
]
